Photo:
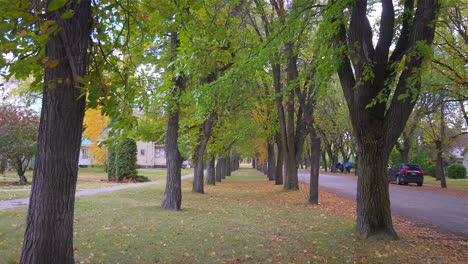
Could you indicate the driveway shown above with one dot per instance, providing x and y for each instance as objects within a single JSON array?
[
  {"x": 25, "y": 201},
  {"x": 447, "y": 212}
]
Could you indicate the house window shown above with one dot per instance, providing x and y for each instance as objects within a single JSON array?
[
  {"x": 159, "y": 153},
  {"x": 84, "y": 153},
  {"x": 142, "y": 152}
]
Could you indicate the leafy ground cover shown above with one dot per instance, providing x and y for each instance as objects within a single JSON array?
[{"x": 245, "y": 219}]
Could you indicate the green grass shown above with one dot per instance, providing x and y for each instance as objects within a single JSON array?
[
  {"x": 242, "y": 220},
  {"x": 432, "y": 180},
  {"x": 8, "y": 195},
  {"x": 88, "y": 178}
]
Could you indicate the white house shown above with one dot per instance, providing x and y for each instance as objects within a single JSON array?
[
  {"x": 86, "y": 159},
  {"x": 150, "y": 155},
  {"x": 460, "y": 150}
]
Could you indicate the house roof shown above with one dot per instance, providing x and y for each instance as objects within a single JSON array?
[{"x": 85, "y": 142}]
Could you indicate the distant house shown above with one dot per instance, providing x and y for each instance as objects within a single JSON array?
[
  {"x": 86, "y": 159},
  {"x": 459, "y": 151},
  {"x": 150, "y": 155}
]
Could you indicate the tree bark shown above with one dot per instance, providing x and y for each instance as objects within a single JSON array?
[
  {"x": 314, "y": 168},
  {"x": 290, "y": 181},
  {"x": 373, "y": 199},
  {"x": 279, "y": 162},
  {"x": 440, "y": 174},
  {"x": 49, "y": 224},
  {"x": 20, "y": 169},
  {"x": 210, "y": 171},
  {"x": 324, "y": 158},
  {"x": 203, "y": 138},
  {"x": 173, "y": 193},
  {"x": 271, "y": 162},
  {"x": 219, "y": 170},
  {"x": 197, "y": 185},
  {"x": 223, "y": 168},
  {"x": 228, "y": 166}
]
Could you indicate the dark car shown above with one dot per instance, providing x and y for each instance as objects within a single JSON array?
[{"x": 406, "y": 173}]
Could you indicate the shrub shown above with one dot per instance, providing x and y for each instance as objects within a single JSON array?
[
  {"x": 430, "y": 170},
  {"x": 110, "y": 163},
  {"x": 125, "y": 160},
  {"x": 141, "y": 178},
  {"x": 456, "y": 171}
]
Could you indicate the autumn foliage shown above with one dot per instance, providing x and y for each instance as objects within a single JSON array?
[
  {"x": 18, "y": 135},
  {"x": 95, "y": 124}
]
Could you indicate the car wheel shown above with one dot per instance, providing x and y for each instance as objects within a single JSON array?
[{"x": 420, "y": 183}]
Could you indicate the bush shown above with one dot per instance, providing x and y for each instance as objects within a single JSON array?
[
  {"x": 456, "y": 171},
  {"x": 141, "y": 178},
  {"x": 430, "y": 170},
  {"x": 125, "y": 160}
]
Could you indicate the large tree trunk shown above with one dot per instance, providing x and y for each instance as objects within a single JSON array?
[
  {"x": 228, "y": 165},
  {"x": 404, "y": 148},
  {"x": 271, "y": 162},
  {"x": 173, "y": 194},
  {"x": 20, "y": 169},
  {"x": 219, "y": 170},
  {"x": 373, "y": 198},
  {"x": 203, "y": 138},
  {"x": 324, "y": 159},
  {"x": 314, "y": 168},
  {"x": 197, "y": 185},
  {"x": 291, "y": 181},
  {"x": 49, "y": 224},
  {"x": 279, "y": 162},
  {"x": 440, "y": 174},
  {"x": 210, "y": 171}
]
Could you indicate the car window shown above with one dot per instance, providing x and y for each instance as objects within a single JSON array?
[{"x": 413, "y": 167}]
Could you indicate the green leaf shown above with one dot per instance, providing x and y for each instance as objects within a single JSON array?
[
  {"x": 68, "y": 14},
  {"x": 402, "y": 97},
  {"x": 56, "y": 4}
]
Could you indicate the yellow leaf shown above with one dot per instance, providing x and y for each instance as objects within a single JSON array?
[
  {"x": 212, "y": 254},
  {"x": 46, "y": 25}
]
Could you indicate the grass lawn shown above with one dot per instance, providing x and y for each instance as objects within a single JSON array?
[
  {"x": 432, "y": 180},
  {"x": 8, "y": 195},
  {"x": 245, "y": 219},
  {"x": 88, "y": 178}
]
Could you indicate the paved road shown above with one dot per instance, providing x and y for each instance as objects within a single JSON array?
[
  {"x": 447, "y": 212},
  {"x": 25, "y": 201}
]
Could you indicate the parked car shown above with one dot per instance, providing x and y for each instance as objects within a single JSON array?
[{"x": 406, "y": 173}]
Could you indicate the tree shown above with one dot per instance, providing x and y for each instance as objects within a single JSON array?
[
  {"x": 95, "y": 124},
  {"x": 173, "y": 193},
  {"x": 381, "y": 87},
  {"x": 49, "y": 227},
  {"x": 18, "y": 135}
]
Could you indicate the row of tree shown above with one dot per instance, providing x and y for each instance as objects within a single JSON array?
[{"x": 223, "y": 77}]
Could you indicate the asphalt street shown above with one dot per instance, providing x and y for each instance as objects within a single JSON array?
[{"x": 447, "y": 212}]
